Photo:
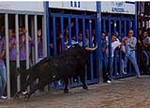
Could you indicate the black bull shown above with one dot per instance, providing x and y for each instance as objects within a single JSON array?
[{"x": 66, "y": 65}]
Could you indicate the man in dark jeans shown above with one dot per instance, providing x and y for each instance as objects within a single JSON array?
[
  {"x": 104, "y": 58},
  {"x": 12, "y": 56},
  {"x": 22, "y": 48}
]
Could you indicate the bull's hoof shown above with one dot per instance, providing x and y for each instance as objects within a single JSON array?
[
  {"x": 66, "y": 90},
  {"x": 85, "y": 87},
  {"x": 26, "y": 97},
  {"x": 16, "y": 96}
]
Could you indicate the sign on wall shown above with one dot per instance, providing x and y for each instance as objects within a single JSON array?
[
  {"x": 25, "y": 5},
  {"x": 122, "y": 7},
  {"x": 74, "y": 5}
]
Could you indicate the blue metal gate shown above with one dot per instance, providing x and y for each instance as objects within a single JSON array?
[
  {"x": 118, "y": 24},
  {"x": 66, "y": 27}
]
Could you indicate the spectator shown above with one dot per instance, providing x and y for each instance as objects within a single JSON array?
[
  {"x": 22, "y": 56},
  {"x": 114, "y": 45},
  {"x": 2, "y": 69},
  {"x": 12, "y": 57},
  {"x": 131, "y": 41},
  {"x": 104, "y": 57},
  {"x": 40, "y": 45}
]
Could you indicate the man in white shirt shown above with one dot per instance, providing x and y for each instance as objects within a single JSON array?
[{"x": 114, "y": 45}]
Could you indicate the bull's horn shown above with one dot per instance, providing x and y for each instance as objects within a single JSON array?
[{"x": 91, "y": 49}]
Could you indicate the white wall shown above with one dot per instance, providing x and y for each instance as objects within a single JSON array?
[
  {"x": 26, "y": 5},
  {"x": 110, "y": 7},
  {"x": 118, "y": 7},
  {"x": 80, "y": 5}
]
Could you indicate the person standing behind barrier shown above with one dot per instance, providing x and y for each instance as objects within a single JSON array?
[
  {"x": 114, "y": 44},
  {"x": 131, "y": 41},
  {"x": 40, "y": 45},
  {"x": 40, "y": 49},
  {"x": 125, "y": 53},
  {"x": 23, "y": 49},
  {"x": 139, "y": 50},
  {"x": 146, "y": 40},
  {"x": 146, "y": 43},
  {"x": 104, "y": 57},
  {"x": 2, "y": 69},
  {"x": 12, "y": 57}
]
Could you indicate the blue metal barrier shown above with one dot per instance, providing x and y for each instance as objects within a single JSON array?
[
  {"x": 75, "y": 24},
  {"x": 120, "y": 24}
]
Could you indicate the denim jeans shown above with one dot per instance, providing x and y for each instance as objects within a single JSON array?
[
  {"x": 105, "y": 59},
  {"x": 132, "y": 58},
  {"x": 2, "y": 79}
]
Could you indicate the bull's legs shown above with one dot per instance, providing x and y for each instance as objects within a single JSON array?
[
  {"x": 41, "y": 84},
  {"x": 66, "y": 90},
  {"x": 28, "y": 82},
  {"x": 82, "y": 79}
]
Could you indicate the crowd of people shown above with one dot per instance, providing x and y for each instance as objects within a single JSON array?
[
  {"x": 144, "y": 51},
  {"x": 13, "y": 58},
  {"x": 109, "y": 47},
  {"x": 127, "y": 46}
]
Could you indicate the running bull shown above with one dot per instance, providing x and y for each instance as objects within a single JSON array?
[{"x": 66, "y": 65}]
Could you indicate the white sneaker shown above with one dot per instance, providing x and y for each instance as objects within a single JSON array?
[
  {"x": 117, "y": 73},
  {"x": 3, "y": 97},
  {"x": 59, "y": 83},
  {"x": 124, "y": 72},
  {"x": 108, "y": 81}
]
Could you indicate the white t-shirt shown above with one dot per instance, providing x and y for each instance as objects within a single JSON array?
[{"x": 114, "y": 45}]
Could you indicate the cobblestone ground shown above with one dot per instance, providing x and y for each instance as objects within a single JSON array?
[{"x": 124, "y": 93}]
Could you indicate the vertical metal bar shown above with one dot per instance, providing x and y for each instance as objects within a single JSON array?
[
  {"x": 131, "y": 24},
  {"x": 69, "y": 23},
  {"x": 120, "y": 57},
  {"x": 62, "y": 32},
  {"x": 135, "y": 24},
  {"x": 98, "y": 40},
  {"x": 54, "y": 36},
  {"x": 146, "y": 24},
  {"x": 36, "y": 41},
  {"x": 83, "y": 30},
  {"x": 115, "y": 53},
  {"x": 128, "y": 23},
  {"x": 45, "y": 30},
  {"x": 115, "y": 25},
  {"x": 32, "y": 48},
  {"x": 104, "y": 25},
  {"x": 139, "y": 24},
  {"x": 125, "y": 27},
  {"x": 109, "y": 25},
  {"x": 7, "y": 56},
  {"x": 143, "y": 23},
  {"x": 91, "y": 45},
  {"x": 27, "y": 42},
  {"x": 77, "y": 30},
  {"x": 17, "y": 39}
]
